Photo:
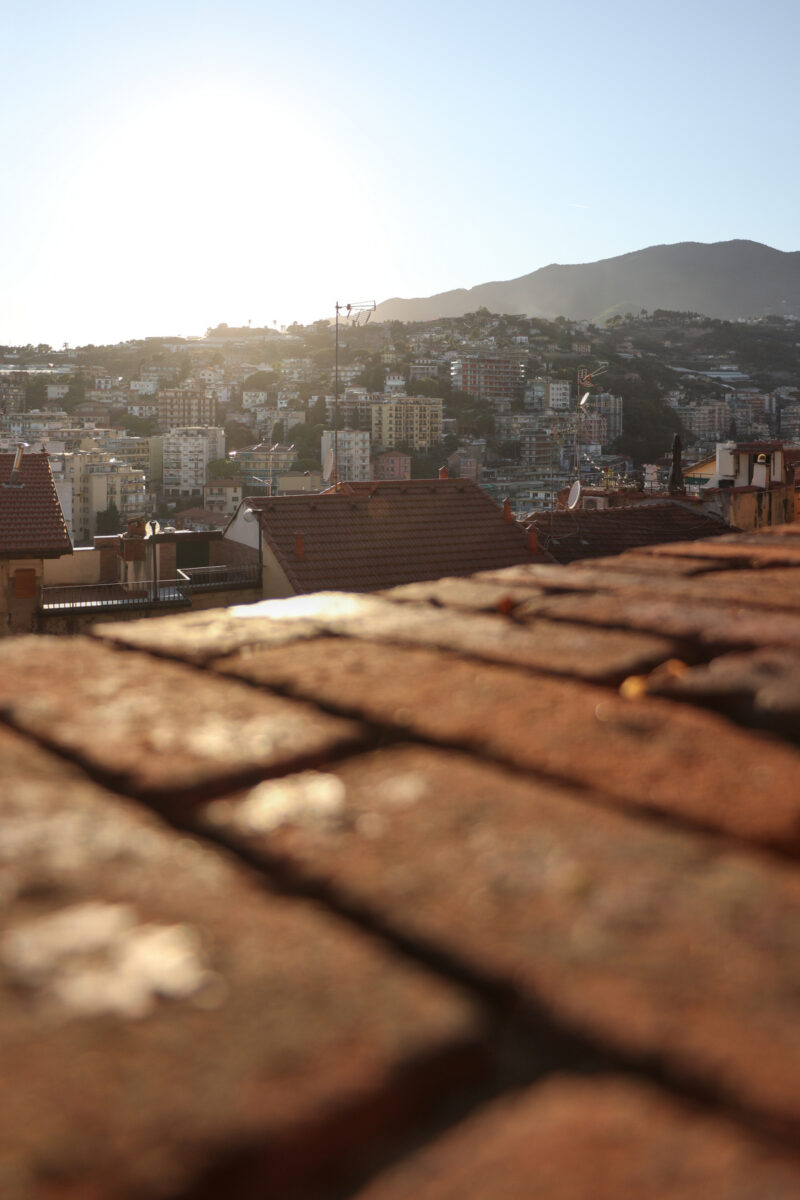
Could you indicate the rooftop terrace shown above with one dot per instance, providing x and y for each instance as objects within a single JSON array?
[{"x": 479, "y": 888}]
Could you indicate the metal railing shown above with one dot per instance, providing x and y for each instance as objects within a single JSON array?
[
  {"x": 116, "y": 595},
  {"x": 207, "y": 578},
  {"x": 147, "y": 593}
]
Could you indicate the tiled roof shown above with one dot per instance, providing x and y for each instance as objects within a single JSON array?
[
  {"x": 205, "y": 515},
  {"x": 367, "y": 536},
  {"x": 480, "y": 888},
  {"x": 570, "y": 534},
  {"x": 31, "y": 521}
]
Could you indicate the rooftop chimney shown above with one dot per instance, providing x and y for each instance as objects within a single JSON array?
[
  {"x": 14, "y": 480},
  {"x": 443, "y": 473}
]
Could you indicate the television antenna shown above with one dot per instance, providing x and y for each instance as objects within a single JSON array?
[
  {"x": 586, "y": 379},
  {"x": 349, "y": 310}
]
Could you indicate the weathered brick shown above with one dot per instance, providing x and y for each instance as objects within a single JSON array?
[
  {"x": 760, "y": 689},
  {"x": 733, "y": 549},
  {"x": 652, "y": 941},
  {"x": 152, "y": 726},
  {"x": 544, "y": 646},
  {"x": 195, "y": 637},
  {"x": 471, "y": 595},
  {"x": 596, "y": 1139},
  {"x": 773, "y": 588},
  {"x": 714, "y": 627},
  {"x": 648, "y": 753},
  {"x": 602, "y": 657},
  {"x": 164, "y": 1019}
]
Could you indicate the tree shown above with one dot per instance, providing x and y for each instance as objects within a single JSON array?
[
  {"x": 237, "y": 435},
  {"x": 259, "y": 382},
  {"x": 109, "y": 521},
  {"x": 222, "y": 468}
]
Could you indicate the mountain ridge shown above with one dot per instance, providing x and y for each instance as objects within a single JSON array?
[{"x": 728, "y": 280}]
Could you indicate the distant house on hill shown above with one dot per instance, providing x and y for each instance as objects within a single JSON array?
[{"x": 361, "y": 537}]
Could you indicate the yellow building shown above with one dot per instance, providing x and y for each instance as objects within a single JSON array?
[{"x": 414, "y": 420}]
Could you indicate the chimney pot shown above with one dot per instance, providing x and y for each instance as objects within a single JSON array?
[{"x": 443, "y": 473}]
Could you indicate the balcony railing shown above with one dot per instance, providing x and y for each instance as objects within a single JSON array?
[
  {"x": 117, "y": 595},
  {"x": 208, "y": 578},
  {"x": 145, "y": 593}
]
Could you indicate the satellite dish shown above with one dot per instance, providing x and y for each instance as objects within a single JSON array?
[
  {"x": 584, "y": 398},
  {"x": 574, "y": 494},
  {"x": 328, "y": 468},
  {"x": 250, "y": 514}
]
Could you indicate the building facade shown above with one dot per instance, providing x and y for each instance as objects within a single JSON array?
[
  {"x": 187, "y": 453},
  {"x": 414, "y": 421}
]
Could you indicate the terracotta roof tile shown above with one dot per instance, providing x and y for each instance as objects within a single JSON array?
[
  {"x": 571, "y": 534},
  {"x": 31, "y": 521},
  {"x": 416, "y": 914},
  {"x": 377, "y": 535}
]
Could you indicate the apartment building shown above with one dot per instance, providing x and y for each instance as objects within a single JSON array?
[
  {"x": 187, "y": 453},
  {"x": 489, "y": 377},
  {"x": 89, "y": 481},
  {"x": 223, "y": 495},
  {"x": 146, "y": 454},
  {"x": 261, "y": 464},
  {"x": 707, "y": 421},
  {"x": 184, "y": 408},
  {"x": 352, "y": 451},
  {"x": 542, "y": 394},
  {"x": 354, "y": 409},
  {"x": 414, "y": 420},
  {"x": 604, "y": 404},
  {"x": 392, "y": 465}
]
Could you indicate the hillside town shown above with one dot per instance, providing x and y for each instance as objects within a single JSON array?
[
  {"x": 189, "y": 472},
  {"x": 182, "y": 429}
]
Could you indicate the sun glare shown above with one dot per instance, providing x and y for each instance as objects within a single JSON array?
[{"x": 211, "y": 205}]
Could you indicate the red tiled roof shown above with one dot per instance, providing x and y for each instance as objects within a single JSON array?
[
  {"x": 595, "y": 533},
  {"x": 31, "y": 521},
  {"x": 206, "y": 515},
  {"x": 367, "y": 536}
]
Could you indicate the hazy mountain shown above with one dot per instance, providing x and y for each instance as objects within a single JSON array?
[{"x": 721, "y": 279}]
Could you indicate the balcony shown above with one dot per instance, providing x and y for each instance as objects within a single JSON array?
[{"x": 166, "y": 593}]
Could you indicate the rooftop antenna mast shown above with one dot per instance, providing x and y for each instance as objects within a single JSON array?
[
  {"x": 585, "y": 380},
  {"x": 349, "y": 310}
]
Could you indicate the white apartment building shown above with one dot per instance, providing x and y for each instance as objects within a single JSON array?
[
  {"x": 255, "y": 400},
  {"x": 187, "y": 453},
  {"x": 352, "y": 449},
  {"x": 604, "y": 404},
  {"x": 548, "y": 393},
  {"x": 144, "y": 387},
  {"x": 145, "y": 411},
  {"x": 57, "y": 391},
  {"x": 559, "y": 394}
]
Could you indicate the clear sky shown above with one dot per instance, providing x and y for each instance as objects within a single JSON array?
[{"x": 167, "y": 164}]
